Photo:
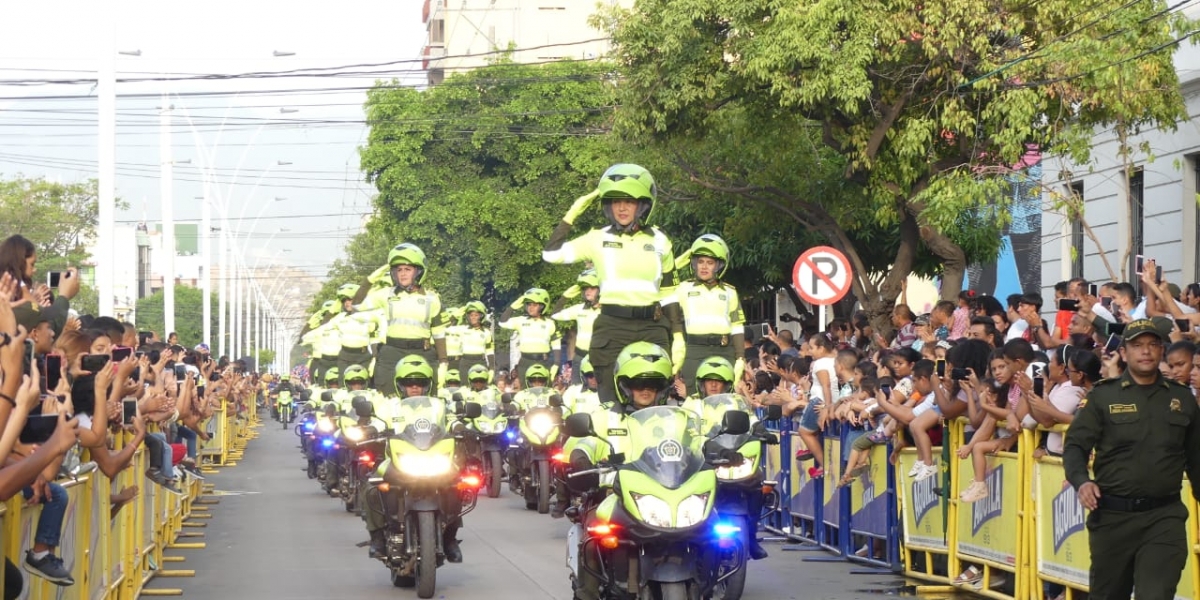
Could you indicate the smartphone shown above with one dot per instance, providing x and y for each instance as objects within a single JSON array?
[
  {"x": 1068, "y": 304},
  {"x": 939, "y": 367},
  {"x": 53, "y": 371},
  {"x": 180, "y": 371},
  {"x": 120, "y": 353},
  {"x": 53, "y": 278},
  {"x": 128, "y": 411},
  {"x": 766, "y": 330},
  {"x": 29, "y": 355},
  {"x": 1039, "y": 386},
  {"x": 886, "y": 388},
  {"x": 1158, "y": 274},
  {"x": 1093, "y": 290},
  {"x": 960, "y": 374},
  {"x": 1183, "y": 325},
  {"x": 93, "y": 363},
  {"x": 1106, "y": 302},
  {"x": 1138, "y": 264},
  {"x": 1114, "y": 342}
]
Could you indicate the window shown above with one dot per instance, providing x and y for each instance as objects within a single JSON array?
[
  {"x": 1137, "y": 222},
  {"x": 1077, "y": 250},
  {"x": 437, "y": 31}
]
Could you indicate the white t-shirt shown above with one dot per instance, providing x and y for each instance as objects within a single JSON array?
[
  {"x": 1065, "y": 397},
  {"x": 825, "y": 365},
  {"x": 1017, "y": 330}
]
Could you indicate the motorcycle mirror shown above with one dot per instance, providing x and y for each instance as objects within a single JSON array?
[
  {"x": 579, "y": 425},
  {"x": 362, "y": 406},
  {"x": 506, "y": 397},
  {"x": 457, "y": 397},
  {"x": 473, "y": 410},
  {"x": 736, "y": 422},
  {"x": 774, "y": 412},
  {"x": 327, "y": 396},
  {"x": 556, "y": 400}
]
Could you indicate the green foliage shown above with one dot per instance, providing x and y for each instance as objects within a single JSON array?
[
  {"x": 189, "y": 314},
  {"x": 265, "y": 357}
]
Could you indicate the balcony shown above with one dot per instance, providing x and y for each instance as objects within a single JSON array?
[{"x": 431, "y": 8}]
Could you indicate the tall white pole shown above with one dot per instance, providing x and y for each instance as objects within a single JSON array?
[
  {"x": 206, "y": 262},
  {"x": 235, "y": 318},
  {"x": 168, "y": 214},
  {"x": 106, "y": 148},
  {"x": 223, "y": 287}
]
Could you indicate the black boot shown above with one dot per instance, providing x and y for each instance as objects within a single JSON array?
[
  {"x": 450, "y": 545},
  {"x": 378, "y": 544},
  {"x": 757, "y": 552}
]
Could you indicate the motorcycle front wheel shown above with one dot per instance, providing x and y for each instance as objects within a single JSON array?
[
  {"x": 543, "y": 486},
  {"x": 495, "y": 468},
  {"x": 427, "y": 551}
]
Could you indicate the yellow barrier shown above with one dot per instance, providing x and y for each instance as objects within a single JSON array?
[
  {"x": 1030, "y": 530},
  {"x": 111, "y": 556},
  {"x": 216, "y": 449}
]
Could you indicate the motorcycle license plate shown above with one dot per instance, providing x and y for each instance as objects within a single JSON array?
[{"x": 574, "y": 538}]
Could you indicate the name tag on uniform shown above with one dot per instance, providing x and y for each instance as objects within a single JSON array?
[
  {"x": 693, "y": 294},
  {"x": 618, "y": 432},
  {"x": 1120, "y": 409},
  {"x": 616, "y": 245}
]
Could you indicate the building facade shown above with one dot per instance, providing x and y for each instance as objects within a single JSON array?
[
  {"x": 1160, "y": 207},
  {"x": 467, "y": 34}
]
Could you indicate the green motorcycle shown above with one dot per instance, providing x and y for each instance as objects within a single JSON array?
[
  {"x": 425, "y": 486},
  {"x": 657, "y": 537},
  {"x": 490, "y": 429}
]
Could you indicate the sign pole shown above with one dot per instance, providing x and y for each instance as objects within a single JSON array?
[{"x": 821, "y": 318}]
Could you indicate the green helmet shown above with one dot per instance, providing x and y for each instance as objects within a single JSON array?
[
  {"x": 642, "y": 361},
  {"x": 536, "y": 371},
  {"x": 711, "y": 246},
  {"x": 474, "y": 306},
  {"x": 284, "y": 377},
  {"x": 537, "y": 296},
  {"x": 347, "y": 291},
  {"x": 356, "y": 373},
  {"x": 332, "y": 374},
  {"x": 714, "y": 367},
  {"x": 330, "y": 306},
  {"x": 453, "y": 375},
  {"x": 628, "y": 181},
  {"x": 585, "y": 366},
  {"x": 479, "y": 373},
  {"x": 408, "y": 254},
  {"x": 588, "y": 279},
  {"x": 414, "y": 368}
]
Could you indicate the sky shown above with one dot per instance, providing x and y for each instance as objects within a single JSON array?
[{"x": 280, "y": 148}]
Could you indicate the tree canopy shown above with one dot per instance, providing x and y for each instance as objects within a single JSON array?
[{"x": 189, "y": 313}]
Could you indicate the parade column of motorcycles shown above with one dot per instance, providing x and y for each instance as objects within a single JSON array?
[{"x": 401, "y": 420}]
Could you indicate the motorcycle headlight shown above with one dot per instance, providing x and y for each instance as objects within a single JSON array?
[
  {"x": 483, "y": 426},
  {"x": 354, "y": 434},
  {"x": 424, "y": 465},
  {"x": 654, "y": 510},
  {"x": 692, "y": 510},
  {"x": 325, "y": 426},
  {"x": 541, "y": 424},
  {"x": 735, "y": 473}
]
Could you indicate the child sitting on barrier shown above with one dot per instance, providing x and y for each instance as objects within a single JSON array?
[
  {"x": 1002, "y": 402},
  {"x": 823, "y": 374},
  {"x": 860, "y": 449},
  {"x": 899, "y": 404},
  {"x": 948, "y": 400}
]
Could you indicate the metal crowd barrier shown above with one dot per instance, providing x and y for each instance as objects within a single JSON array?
[{"x": 115, "y": 556}]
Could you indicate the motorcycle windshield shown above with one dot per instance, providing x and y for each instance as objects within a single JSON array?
[
  {"x": 421, "y": 421},
  {"x": 713, "y": 409},
  {"x": 666, "y": 444},
  {"x": 538, "y": 396},
  {"x": 491, "y": 411}
]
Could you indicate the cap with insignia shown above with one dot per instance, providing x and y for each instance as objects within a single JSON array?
[{"x": 1147, "y": 326}]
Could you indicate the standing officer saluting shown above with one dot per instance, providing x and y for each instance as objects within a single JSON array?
[
  {"x": 1145, "y": 430},
  {"x": 636, "y": 270}
]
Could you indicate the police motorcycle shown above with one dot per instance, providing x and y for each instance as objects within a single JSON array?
[
  {"x": 741, "y": 489},
  {"x": 657, "y": 536},
  {"x": 359, "y": 448},
  {"x": 424, "y": 465},
  {"x": 489, "y": 432},
  {"x": 313, "y": 426},
  {"x": 531, "y": 454}
]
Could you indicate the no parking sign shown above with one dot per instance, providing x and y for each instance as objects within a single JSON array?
[{"x": 822, "y": 275}]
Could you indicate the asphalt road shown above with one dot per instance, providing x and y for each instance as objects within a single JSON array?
[{"x": 275, "y": 534}]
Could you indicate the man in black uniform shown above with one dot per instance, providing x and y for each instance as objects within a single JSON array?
[{"x": 1145, "y": 430}]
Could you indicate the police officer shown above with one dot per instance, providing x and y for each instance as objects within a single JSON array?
[
  {"x": 1145, "y": 430},
  {"x": 409, "y": 316},
  {"x": 534, "y": 330},
  {"x": 636, "y": 268},
  {"x": 354, "y": 331},
  {"x": 583, "y": 315},
  {"x": 712, "y": 314},
  {"x": 323, "y": 339},
  {"x": 476, "y": 340}
]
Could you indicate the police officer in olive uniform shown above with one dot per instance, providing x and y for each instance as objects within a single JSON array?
[
  {"x": 712, "y": 313},
  {"x": 322, "y": 337},
  {"x": 354, "y": 332},
  {"x": 475, "y": 339},
  {"x": 535, "y": 331},
  {"x": 409, "y": 316},
  {"x": 636, "y": 267},
  {"x": 1145, "y": 430},
  {"x": 583, "y": 315}
]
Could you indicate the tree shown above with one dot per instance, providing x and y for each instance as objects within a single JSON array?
[
  {"x": 189, "y": 314},
  {"x": 265, "y": 357},
  {"x": 59, "y": 218},
  {"x": 917, "y": 106}
]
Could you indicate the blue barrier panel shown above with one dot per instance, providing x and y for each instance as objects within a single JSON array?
[
  {"x": 834, "y": 503},
  {"x": 871, "y": 516}
]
